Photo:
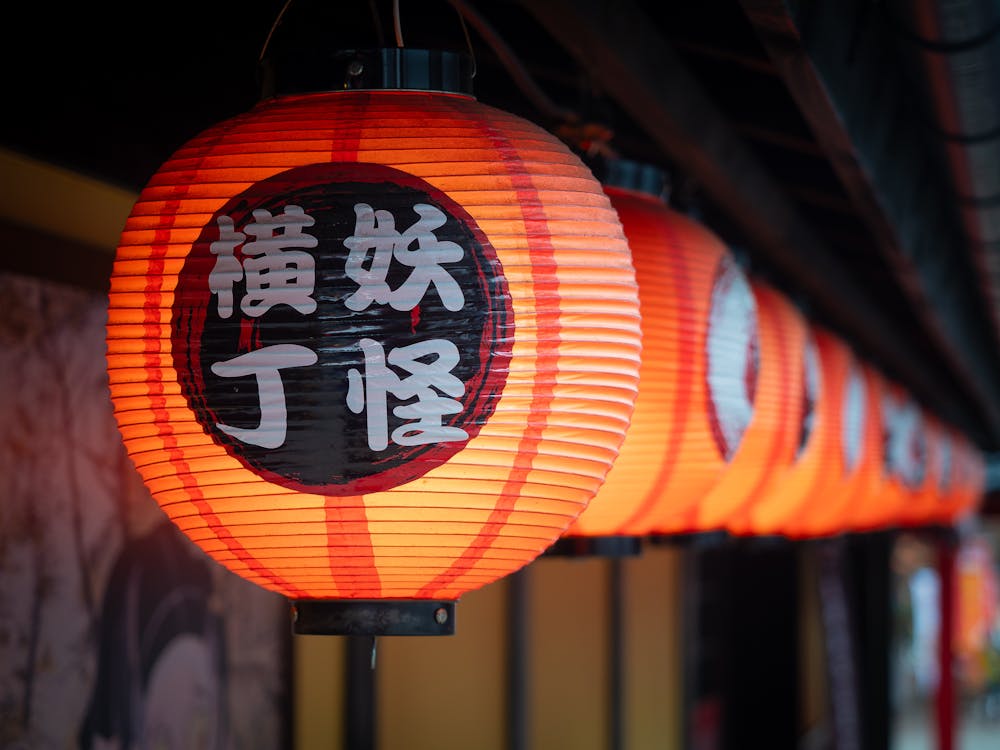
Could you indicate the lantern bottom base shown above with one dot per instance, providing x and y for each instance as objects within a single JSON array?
[
  {"x": 596, "y": 546},
  {"x": 691, "y": 539},
  {"x": 373, "y": 617}
]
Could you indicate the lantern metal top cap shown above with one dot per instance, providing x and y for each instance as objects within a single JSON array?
[
  {"x": 634, "y": 175},
  {"x": 380, "y": 69}
]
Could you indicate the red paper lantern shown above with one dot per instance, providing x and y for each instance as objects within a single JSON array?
[
  {"x": 373, "y": 345},
  {"x": 865, "y": 510},
  {"x": 825, "y": 488},
  {"x": 753, "y": 406},
  {"x": 904, "y": 457},
  {"x": 813, "y": 482},
  {"x": 700, "y": 369},
  {"x": 647, "y": 460},
  {"x": 969, "y": 471},
  {"x": 926, "y": 499}
]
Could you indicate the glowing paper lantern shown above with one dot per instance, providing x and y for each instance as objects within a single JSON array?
[
  {"x": 969, "y": 467},
  {"x": 373, "y": 345},
  {"x": 852, "y": 429},
  {"x": 865, "y": 509},
  {"x": 699, "y": 301},
  {"x": 637, "y": 478},
  {"x": 812, "y": 481},
  {"x": 753, "y": 405},
  {"x": 904, "y": 457},
  {"x": 926, "y": 499}
]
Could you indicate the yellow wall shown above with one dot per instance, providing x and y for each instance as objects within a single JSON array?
[
  {"x": 448, "y": 693},
  {"x": 442, "y": 692}
]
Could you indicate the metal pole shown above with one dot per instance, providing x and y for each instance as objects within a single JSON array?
[
  {"x": 946, "y": 681},
  {"x": 616, "y": 655},
  {"x": 517, "y": 660}
]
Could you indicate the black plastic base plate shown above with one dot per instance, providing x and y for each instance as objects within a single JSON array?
[
  {"x": 373, "y": 617},
  {"x": 596, "y": 546}
]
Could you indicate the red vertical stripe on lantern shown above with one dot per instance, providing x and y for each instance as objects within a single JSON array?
[
  {"x": 343, "y": 518},
  {"x": 543, "y": 277},
  {"x": 638, "y": 523},
  {"x": 151, "y": 316}
]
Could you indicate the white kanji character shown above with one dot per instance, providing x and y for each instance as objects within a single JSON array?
[
  {"x": 266, "y": 365},
  {"x": 227, "y": 269},
  {"x": 276, "y": 274},
  {"x": 376, "y": 231},
  {"x": 370, "y": 392}
]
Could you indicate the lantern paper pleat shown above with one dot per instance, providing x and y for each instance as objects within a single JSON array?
[
  {"x": 570, "y": 370},
  {"x": 813, "y": 477},
  {"x": 761, "y": 373},
  {"x": 689, "y": 275},
  {"x": 969, "y": 479},
  {"x": 925, "y": 498},
  {"x": 663, "y": 263}
]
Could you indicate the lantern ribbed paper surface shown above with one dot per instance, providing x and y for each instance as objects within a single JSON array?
[
  {"x": 377, "y": 345},
  {"x": 866, "y": 510},
  {"x": 940, "y": 512},
  {"x": 767, "y": 403},
  {"x": 647, "y": 460},
  {"x": 700, "y": 301},
  {"x": 927, "y": 497},
  {"x": 856, "y": 433},
  {"x": 792, "y": 491},
  {"x": 970, "y": 479},
  {"x": 904, "y": 458}
]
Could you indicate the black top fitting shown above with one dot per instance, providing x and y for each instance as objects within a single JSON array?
[{"x": 385, "y": 69}]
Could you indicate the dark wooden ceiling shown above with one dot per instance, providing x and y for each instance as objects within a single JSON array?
[{"x": 794, "y": 129}]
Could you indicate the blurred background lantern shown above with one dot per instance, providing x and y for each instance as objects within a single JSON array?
[
  {"x": 815, "y": 476},
  {"x": 969, "y": 472},
  {"x": 754, "y": 375},
  {"x": 864, "y": 510},
  {"x": 927, "y": 496},
  {"x": 904, "y": 458},
  {"x": 852, "y": 430},
  {"x": 699, "y": 300},
  {"x": 375, "y": 347},
  {"x": 647, "y": 459}
]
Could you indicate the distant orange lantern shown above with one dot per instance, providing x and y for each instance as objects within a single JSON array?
[
  {"x": 753, "y": 403},
  {"x": 374, "y": 346},
  {"x": 848, "y": 426},
  {"x": 703, "y": 349},
  {"x": 866, "y": 509},
  {"x": 926, "y": 498},
  {"x": 813, "y": 482},
  {"x": 647, "y": 458},
  {"x": 969, "y": 467},
  {"x": 904, "y": 456}
]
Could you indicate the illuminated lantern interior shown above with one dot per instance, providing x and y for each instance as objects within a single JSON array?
[
  {"x": 374, "y": 345},
  {"x": 648, "y": 457},
  {"x": 926, "y": 498},
  {"x": 705, "y": 350},
  {"x": 811, "y": 481},
  {"x": 969, "y": 466},
  {"x": 757, "y": 434}
]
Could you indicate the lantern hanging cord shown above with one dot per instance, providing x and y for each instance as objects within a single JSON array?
[
  {"x": 274, "y": 26},
  {"x": 397, "y": 24},
  {"x": 514, "y": 66}
]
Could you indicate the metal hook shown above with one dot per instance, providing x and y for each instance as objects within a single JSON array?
[
  {"x": 397, "y": 24},
  {"x": 274, "y": 26}
]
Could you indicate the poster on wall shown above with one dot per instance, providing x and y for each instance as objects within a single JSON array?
[{"x": 116, "y": 631}]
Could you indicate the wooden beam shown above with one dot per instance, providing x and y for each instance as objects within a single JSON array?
[
  {"x": 620, "y": 48},
  {"x": 830, "y": 105}
]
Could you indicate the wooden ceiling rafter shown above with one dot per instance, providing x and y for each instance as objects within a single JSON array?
[{"x": 621, "y": 49}]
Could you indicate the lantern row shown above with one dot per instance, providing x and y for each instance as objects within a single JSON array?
[
  {"x": 390, "y": 345},
  {"x": 752, "y": 420}
]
